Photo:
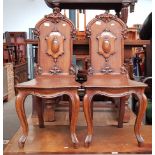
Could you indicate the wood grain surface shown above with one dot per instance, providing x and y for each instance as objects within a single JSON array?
[{"x": 56, "y": 139}]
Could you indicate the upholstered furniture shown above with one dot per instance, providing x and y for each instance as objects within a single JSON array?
[
  {"x": 54, "y": 71},
  {"x": 107, "y": 73}
]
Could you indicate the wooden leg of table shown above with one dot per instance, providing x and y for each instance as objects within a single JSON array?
[
  {"x": 87, "y": 108},
  {"x": 22, "y": 117},
  {"x": 40, "y": 112},
  {"x": 75, "y": 110},
  {"x": 142, "y": 107}
]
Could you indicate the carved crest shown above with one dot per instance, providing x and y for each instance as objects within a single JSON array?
[
  {"x": 106, "y": 42},
  {"x": 56, "y": 16},
  {"x": 55, "y": 42},
  {"x": 106, "y": 17}
]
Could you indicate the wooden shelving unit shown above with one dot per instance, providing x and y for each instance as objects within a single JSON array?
[{"x": 15, "y": 51}]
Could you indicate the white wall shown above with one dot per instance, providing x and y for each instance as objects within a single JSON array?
[
  {"x": 19, "y": 15},
  {"x": 142, "y": 9}
]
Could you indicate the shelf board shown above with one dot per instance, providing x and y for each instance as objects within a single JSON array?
[
  {"x": 86, "y": 42},
  {"x": 31, "y": 41},
  {"x": 136, "y": 42},
  {"x": 81, "y": 42}
]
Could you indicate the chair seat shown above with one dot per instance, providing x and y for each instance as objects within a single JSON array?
[
  {"x": 112, "y": 81},
  {"x": 50, "y": 81}
]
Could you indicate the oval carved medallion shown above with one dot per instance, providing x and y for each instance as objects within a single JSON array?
[
  {"x": 106, "y": 46},
  {"x": 55, "y": 45}
]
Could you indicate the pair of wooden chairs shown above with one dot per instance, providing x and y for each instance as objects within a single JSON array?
[{"x": 56, "y": 75}]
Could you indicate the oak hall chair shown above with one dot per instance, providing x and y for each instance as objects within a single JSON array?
[
  {"x": 55, "y": 73},
  {"x": 107, "y": 74}
]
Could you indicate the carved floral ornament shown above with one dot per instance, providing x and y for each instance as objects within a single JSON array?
[
  {"x": 106, "y": 17},
  {"x": 56, "y": 16}
]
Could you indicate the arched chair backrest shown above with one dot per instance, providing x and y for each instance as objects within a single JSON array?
[
  {"x": 106, "y": 34},
  {"x": 55, "y": 33}
]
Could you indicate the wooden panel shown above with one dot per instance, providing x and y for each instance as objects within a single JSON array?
[
  {"x": 63, "y": 62},
  {"x": 52, "y": 25},
  {"x": 106, "y": 26},
  {"x": 136, "y": 43},
  {"x": 20, "y": 74}
]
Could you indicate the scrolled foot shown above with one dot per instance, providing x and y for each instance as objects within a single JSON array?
[
  {"x": 21, "y": 141},
  {"x": 75, "y": 141},
  {"x": 140, "y": 140},
  {"x": 88, "y": 140},
  {"x": 140, "y": 144}
]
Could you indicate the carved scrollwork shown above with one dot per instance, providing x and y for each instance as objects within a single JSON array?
[
  {"x": 124, "y": 33},
  {"x": 55, "y": 45},
  {"x": 36, "y": 32},
  {"x": 90, "y": 70},
  {"x": 56, "y": 16},
  {"x": 106, "y": 17},
  {"x": 38, "y": 70},
  {"x": 73, "y": 33},
  {"x": 88, "y": 32},
  {"x": 55, "y": 42},
  {"x": 72, "y": 70},
  {"x": 106, "y": 43},
  {"x": 55, "y": 70},
  {"x": 107, "y": 70},
  {"x": 123, "y": 70}
]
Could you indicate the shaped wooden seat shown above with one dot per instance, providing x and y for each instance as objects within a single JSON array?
[
  {"x": 55, "y": 73},
  {"x": 107, "y": 73},
  {"x": 50, "y": 81}
]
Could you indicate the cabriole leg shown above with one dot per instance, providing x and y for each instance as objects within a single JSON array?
[
  {"x": 75, "y": 110},
  {"x": 142, "y": 107},
  {"x": 22, "y": 117},
  {"x": 87, "y": 112}
]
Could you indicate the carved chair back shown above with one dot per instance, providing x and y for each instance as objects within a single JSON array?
[
  {"x": 55, "y": 33},
  {"x": 106, "y": 35}
]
